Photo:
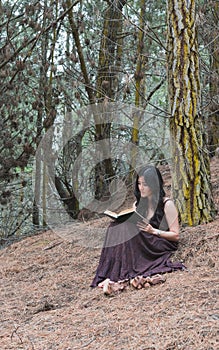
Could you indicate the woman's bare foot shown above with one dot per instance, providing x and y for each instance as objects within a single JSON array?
[
  {"x": 111, "y": 288},
  {"x": 137, "y": 282},
  {"x": 144, "y": 282},
  {"x": 101, "y": 284},
  {"x": 155, "y": 279}
]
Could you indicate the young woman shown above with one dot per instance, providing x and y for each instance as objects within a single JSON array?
[{"x": 137, "y": 254}]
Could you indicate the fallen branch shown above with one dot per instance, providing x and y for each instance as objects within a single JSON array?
[
  {"x": 15, "y": 332},
  {"x": 86, "y": 344},
  {"x": 52, "y": 245}
]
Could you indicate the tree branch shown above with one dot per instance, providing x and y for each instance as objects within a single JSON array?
[{"x": 36, "y": 37}]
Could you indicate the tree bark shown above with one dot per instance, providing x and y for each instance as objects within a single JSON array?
[
  {"x": 191, "y": 169},
  {"x": 213, "y": 120},
  {"x": 139, "y": 84},
  {"x": 107, "y": 81}
]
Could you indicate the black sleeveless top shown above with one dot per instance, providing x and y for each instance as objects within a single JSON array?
[{"x": 159, "y": 220}]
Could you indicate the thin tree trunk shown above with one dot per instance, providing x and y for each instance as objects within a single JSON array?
[
  {"x": 38, "y": 184},
  {"x": 74, "y": 30},
  {"x": 191, "y": 171},
  {"x": 139, "y": 85}
]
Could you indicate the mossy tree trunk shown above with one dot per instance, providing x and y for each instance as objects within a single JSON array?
[
  {"x": 191, "y": 169},
  {"x": 213, "y": 122}
]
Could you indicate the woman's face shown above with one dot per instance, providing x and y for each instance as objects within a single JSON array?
[{"x": 144, "y": 189}]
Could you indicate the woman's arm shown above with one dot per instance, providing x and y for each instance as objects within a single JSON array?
[{"x": 172, "y": 221}]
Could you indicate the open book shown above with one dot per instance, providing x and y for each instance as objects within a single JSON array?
[{"x": 128, "y": 214}]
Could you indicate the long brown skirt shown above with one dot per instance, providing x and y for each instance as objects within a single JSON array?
[{"x": 128, "y": 252}]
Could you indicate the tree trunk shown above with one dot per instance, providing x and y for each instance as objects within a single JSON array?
[
  {"x": 107, "y": 82},
  {"x": 69, "y": 200},
  {"x": 213, "y": 120},
  {"x": 139, "y": 85},
  {"x": 39, "y": 176},
  {"x": 191, "y": 170}
]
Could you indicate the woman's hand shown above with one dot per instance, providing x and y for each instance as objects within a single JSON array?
[
  {"x": 172, "y": 219},
  {"x": 144, "y": 226}
]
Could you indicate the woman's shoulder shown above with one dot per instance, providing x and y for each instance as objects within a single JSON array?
[
  {"x": 169, "y": 204},
  {"x": 167, "y": 199}
]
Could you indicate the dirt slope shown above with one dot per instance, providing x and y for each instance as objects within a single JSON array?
[{"x": 46, "y": 302}]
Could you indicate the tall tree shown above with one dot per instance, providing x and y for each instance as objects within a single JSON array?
[
  {"x": 109, "y": 61},
  {"x": 139, "y": 81},
  {"x": 207, "y": 27},
  {"x": 191, "y": 173},
  {"x": 110, "y": 55},
  {"x": 213, "y": 130}
]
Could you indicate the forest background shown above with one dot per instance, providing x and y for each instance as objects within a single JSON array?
[{"x": 90, "y": 91}]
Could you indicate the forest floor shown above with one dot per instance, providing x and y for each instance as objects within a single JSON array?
[{"x": 46, "y": 302}]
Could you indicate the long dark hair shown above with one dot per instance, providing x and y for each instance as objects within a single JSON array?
[{"x": 154, "y": 180}]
